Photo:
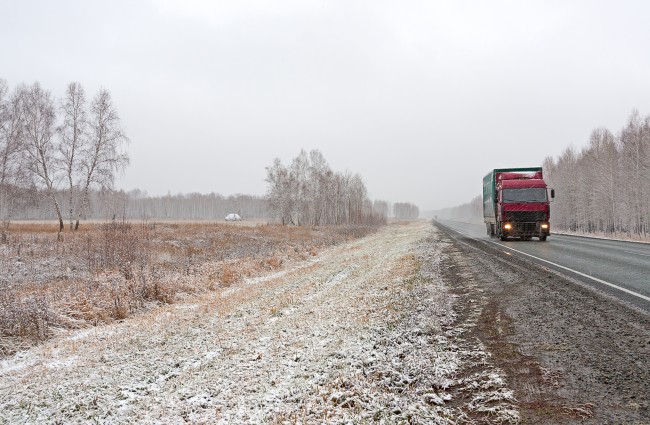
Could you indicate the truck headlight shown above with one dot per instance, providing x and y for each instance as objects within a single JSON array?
[
  {"x": 507, "y": 226},
  {"x": 545, "y": 226}
]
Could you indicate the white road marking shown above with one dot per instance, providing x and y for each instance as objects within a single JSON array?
[
  {"x": 595, "y": 279},
  {"x": 643, "y": 297},
  {"x": 637, "y": 253}
]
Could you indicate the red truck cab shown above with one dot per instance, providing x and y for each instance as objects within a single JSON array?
[{"x": 516, "y": 204}]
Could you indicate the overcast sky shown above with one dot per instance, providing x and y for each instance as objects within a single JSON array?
[{"x": 422, "y": 98}]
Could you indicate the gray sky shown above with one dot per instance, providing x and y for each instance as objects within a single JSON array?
[{"x": 422, "y": 98}]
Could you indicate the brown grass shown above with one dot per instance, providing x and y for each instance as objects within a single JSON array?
[
  {"x": 229, "y": 275},
  {"x": 29, "y": 227},
  {"x": 110, "y": 271}
]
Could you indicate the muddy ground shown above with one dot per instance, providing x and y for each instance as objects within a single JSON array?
[{"x": 571, "y": 354}]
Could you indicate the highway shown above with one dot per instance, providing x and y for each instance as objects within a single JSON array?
[{"x": 621, "y": 269}]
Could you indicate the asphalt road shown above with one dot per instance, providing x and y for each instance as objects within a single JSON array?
[{"x": 621, "y": 269}]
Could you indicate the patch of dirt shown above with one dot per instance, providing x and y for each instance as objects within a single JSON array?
[{"x": 571, "y": 354}]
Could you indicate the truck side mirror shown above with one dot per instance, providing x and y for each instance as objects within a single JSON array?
[{"x": 552, "y": 193}]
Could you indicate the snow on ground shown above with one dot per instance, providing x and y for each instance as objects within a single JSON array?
[
  {"x": 365, "y": 332},
  {"x": 610, "y": 237}
]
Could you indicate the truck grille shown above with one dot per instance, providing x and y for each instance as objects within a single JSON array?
[
  {"x": 525, "y": 216},
  {"x": 525, "y": 227}
]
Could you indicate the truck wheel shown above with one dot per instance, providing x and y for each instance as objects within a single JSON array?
[
  {"x": 504, "y": 238},
  {"x": 542, "y": 238}
]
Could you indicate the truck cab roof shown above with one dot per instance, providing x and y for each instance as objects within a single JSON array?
[{"x": 514, "y": 184}]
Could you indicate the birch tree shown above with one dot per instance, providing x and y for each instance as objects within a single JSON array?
[
  {"x": 405, "y": 211},
  {"x": 567, "y": 177},
  {"x": 356, "y": 195},
  {"x": 38, "y": 129},
  {"x": 605, "y": 187},
  {"x": 318, "y": 175},
  {"x": 74, "y": 139},
  {"x": 603, "y": 169},
  {"x": 308, "y": 192},
  {"x": 11, "y": 122},
  {"x": 279, "y": 193},
  {"x": 635, "y": 156},
  {"x": 102, "y": 156},
  {"x": 381, "y": 208},
  {"x": 299, "y": 184}
]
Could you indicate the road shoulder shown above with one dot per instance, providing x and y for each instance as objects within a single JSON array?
[{"x": 570, "y": 353}]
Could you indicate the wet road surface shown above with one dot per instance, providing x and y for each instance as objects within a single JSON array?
[{"x": 621, "y": 269}]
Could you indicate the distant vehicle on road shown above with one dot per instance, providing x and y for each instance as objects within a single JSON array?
[
  {"x": 233, "y": 217},
  {"x": 516, "y": 203}
]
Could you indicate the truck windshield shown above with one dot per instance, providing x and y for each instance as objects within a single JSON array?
[{"x": 530, "y": 194}]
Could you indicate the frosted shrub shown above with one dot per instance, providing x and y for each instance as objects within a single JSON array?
[{"x": 22, "y": 319}]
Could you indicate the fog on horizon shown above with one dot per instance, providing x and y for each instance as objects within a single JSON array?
[{"x": 420, "y": 98}]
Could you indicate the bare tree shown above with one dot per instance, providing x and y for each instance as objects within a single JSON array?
[
  {"x": 356, "y": 195},
  {"x": 309, "y": 193},
  {"x": 566, "y": 176},
  {"x": 193, "y": 205},
  {"x": 319, "y": 175},
  {"x": 102, "y": 156},
  {"x": 601, "y": 169},
  {"x": 299, "y": 181},
  {"x": 381, "y": 208},
  {"x": 38, "y": 131},
  {"x": 635, "y": 156},
  {"x": 33, "y": 161},
  {"x": 405, "y": 211},
  {"x": 279, "y": 195},
  {"x": 605, "y": 187},
  {"x": 10, "y": 146},
  {"x": 73, "y": 139}
]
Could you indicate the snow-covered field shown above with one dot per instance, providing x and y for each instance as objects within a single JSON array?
[{"x": 365, "y": 331}]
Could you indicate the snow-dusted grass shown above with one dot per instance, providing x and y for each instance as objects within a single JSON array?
[
  {"x": 625, "y": 237},
  {"x": 363, "y": 332},
  {"x": 110, "y": 271}
]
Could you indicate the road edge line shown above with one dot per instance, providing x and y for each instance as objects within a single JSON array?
[{"x": 604, "y": 282}]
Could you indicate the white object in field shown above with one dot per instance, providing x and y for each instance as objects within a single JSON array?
[{"x": 233, "y": 217}]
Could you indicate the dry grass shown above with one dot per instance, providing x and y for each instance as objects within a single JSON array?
[
  {"x": 110, "y": 271},
  {"x": 229, "y": 275}
]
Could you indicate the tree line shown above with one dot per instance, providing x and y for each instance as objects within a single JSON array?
[
  {"x": 471, "y": 211},
  {"x": 308, "y": 192},
  {"x": 59, "y": 158},
  {"x": 605, "y": 187},
  {"x": 405, "y": 211},
  {"x": 108, "y": 204},
  {"x": 52, "y": 146},
  {"x": 196, "y": 206}
]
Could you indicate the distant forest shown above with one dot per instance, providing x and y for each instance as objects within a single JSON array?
[
  {"x": 309, "y": 192},
  {"x": 604, "y": 188},
  {"x": 138, "y": 205},
  {"x": 59, "y": 158}
]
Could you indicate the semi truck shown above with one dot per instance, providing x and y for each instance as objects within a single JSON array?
[{"x": 516, "y": 203}]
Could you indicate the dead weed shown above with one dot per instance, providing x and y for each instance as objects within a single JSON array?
[{"x": 110, "y": 271}]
